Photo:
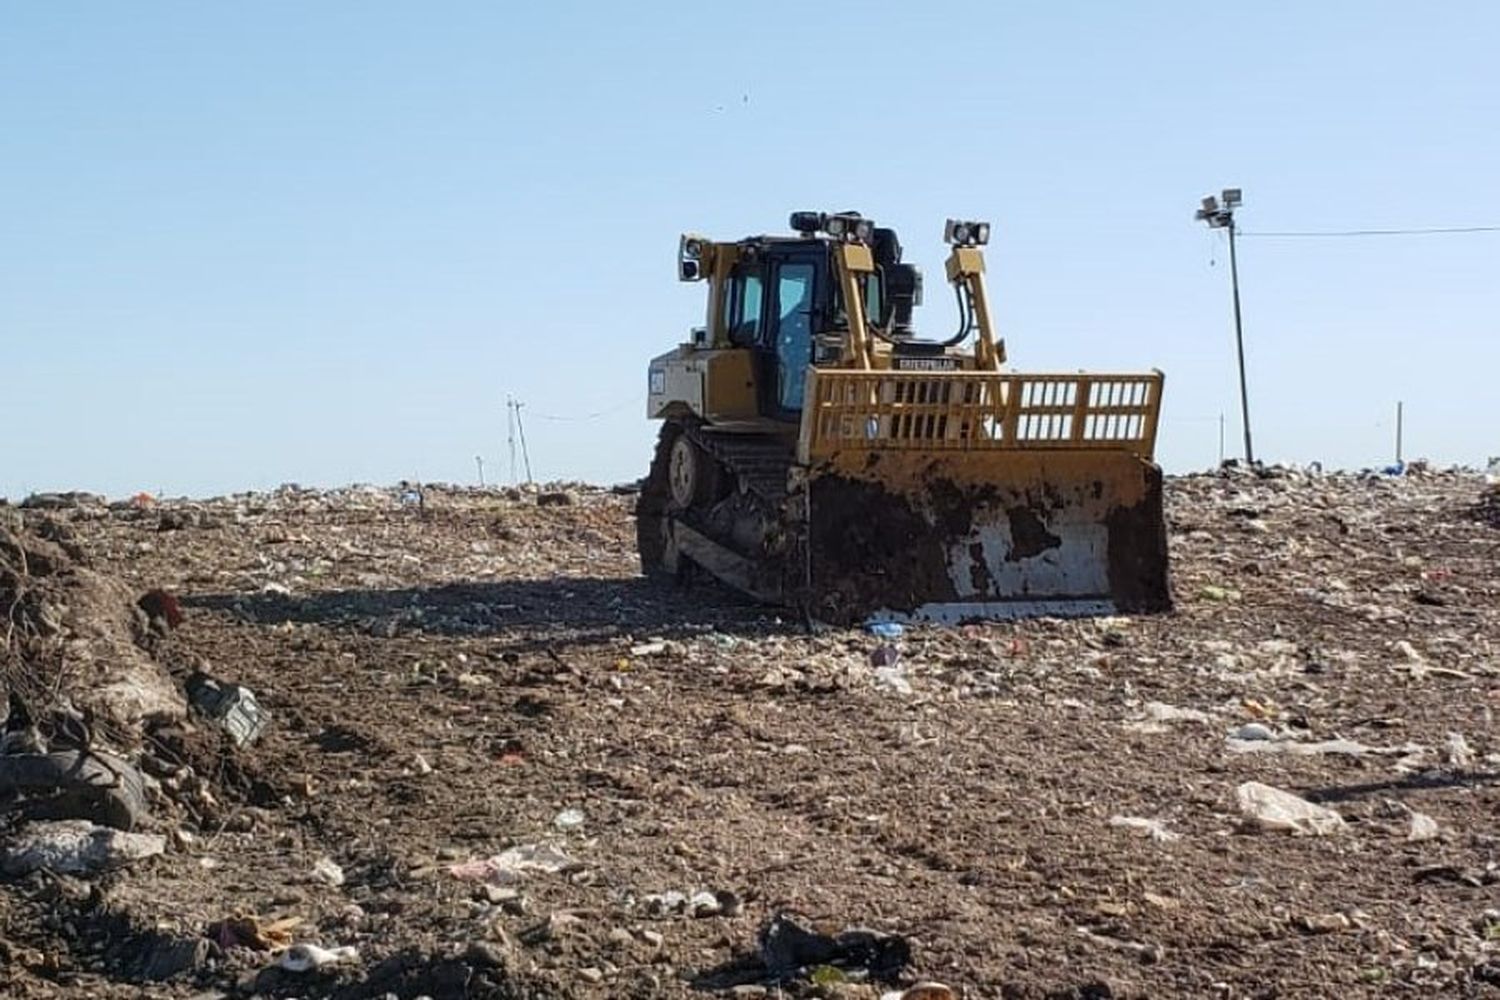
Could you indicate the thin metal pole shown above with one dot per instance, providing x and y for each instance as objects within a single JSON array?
[
  {"x": 510, "y": 435},
  {"x": 1221, "y": 438},
  {"x": 1398, "y": 431},
  {"x": 521, "y": 432},
  {"x": 1239, "y": 343},
  {"x": 479, "y": 461}
]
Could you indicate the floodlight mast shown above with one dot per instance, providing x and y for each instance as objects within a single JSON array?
[{"x": 1222, "y": 217}]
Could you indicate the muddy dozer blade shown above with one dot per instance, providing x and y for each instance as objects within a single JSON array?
[
  {"x": 988, "y": 536},
  {"x": 962, "y": 497}
]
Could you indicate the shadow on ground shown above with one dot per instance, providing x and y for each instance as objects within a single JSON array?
[
  {"x": 1423, "y": 782},
  {"x": 535, "y": 613}
]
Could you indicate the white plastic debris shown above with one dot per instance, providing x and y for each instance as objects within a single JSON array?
[
  {"x": 665, "y": 904},
  {"x": 1144, "y": 827},
  {"x": 1252, "y": 731},
  {"x": 1272, "y": 809},
  {"x": 77, "y": 847},
  {"x": 511, "y": 866},
  {"x": 1423, "y": 827},
  {"x": 1158, "y": 711},
  {"x": 311, "y": 957},
  {"x": 327, "y": 871},
  {"x": 704, "y": 904},
  {"x": 568, "y": 819},
  {"x": 893, "y": 678},
  {"x": 921, "y": 991},
  {"x": 1457, "y": 751}
]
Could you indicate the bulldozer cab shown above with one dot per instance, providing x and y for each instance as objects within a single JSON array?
[
  {"x": 816, "y": 451},
  {"x": 781, "y": 301}
]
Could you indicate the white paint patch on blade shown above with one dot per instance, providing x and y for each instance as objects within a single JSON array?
[{"x": 1077, "y": 565}]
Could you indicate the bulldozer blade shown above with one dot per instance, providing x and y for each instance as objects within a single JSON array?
[{"x": 985, "y": 535}]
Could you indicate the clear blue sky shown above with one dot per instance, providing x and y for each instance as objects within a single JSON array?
[{"x": 264, "y": 242}]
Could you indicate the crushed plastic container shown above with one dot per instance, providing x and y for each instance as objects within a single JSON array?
[{"x": 232, "y": 706}]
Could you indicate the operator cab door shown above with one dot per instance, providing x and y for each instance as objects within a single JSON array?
[
  {"x": 789, "y": 343},
  {"x": 772, "y": 308}
]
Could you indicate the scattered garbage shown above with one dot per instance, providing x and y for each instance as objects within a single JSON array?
[
  {"x": 665, "y": 904},
  {"x": 232, "y": 706},
  {"x": 790, "y": 951},
  {"x": 310, "y": 957},
  {"x": 719, "y": 902},
  {"x": 705, "y": 904},
  {"x": 1423, "y": 827},
  {"x": 327, "y": 872},
  {"x": 1154, "y": 829},
  {"x": 894, "y": 678},
  {"x": 885, "y": 629},
  {"x": 1158, "y": 711},
  {"x": 568, "y": 819},
  {"x": 1457, "y": 751},
  {"x": 1268, "y": 808},
  {"x": 1314, "y": 633},
  {"x": 921, "y": 991},
  {"x": 161, "y": 608},
  {"x": 243, "y": 931},
  {"x": 510, "y": 866},
  {"x": 1325, "y": 923},
  {"x": 76, "y": 847},
  {"x": 885, "y": 656}
]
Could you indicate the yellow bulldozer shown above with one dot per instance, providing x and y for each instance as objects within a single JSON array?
[{"x": 815, "y": 452}]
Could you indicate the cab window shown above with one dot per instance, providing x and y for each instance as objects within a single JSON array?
[
  {"x": 794, "y": 307},
  {"x": 742, "y": 309}
]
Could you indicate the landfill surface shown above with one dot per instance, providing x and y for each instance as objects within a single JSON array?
[{"x": 447, "y": 742}]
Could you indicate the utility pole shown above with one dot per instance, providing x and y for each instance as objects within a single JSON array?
[
  {"x": 521, "y": 433},
  {"x": 1222, "y": 217},
  {"x": 1398, "y": 431},
  {"x": 510, "y": 435},
  {"x": 479, "y": 461}
]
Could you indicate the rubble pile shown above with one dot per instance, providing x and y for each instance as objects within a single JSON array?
[
  {"x": 72, "y": 637},
  {"x": 446, "y": 742}
]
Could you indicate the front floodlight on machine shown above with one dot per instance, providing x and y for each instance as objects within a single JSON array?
[
  {"x": 690, "y": 257},
  {"x": 960, "y": 233},
  {"x": 850, "y": 227}
]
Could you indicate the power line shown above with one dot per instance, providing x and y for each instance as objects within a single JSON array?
[
  {"x": 573, "y": 418},
  {"x": 1436, "y": 231}
]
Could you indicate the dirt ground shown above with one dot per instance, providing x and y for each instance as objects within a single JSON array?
[{"x": 449, "y": 679}]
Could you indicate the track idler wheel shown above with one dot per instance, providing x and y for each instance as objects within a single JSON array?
[{"x": 692, "y": 475}]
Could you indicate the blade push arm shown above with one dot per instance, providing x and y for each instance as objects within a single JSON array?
[{"x": 965, "y": 270}]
